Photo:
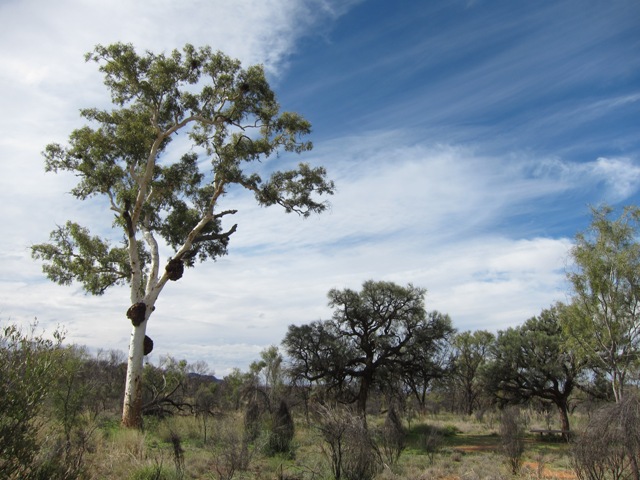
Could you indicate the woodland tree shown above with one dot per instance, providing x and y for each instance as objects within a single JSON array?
[
  {"x": 269, "y": 375},
  {"x": 162, "y": 200},
  {"x": 371, "y": 334},
  {"x": 471, "y": 352},
  {"x": 605, "y": 321},
  {"x": 427, "y": 356},
  {"x": 533, "y": 361}
]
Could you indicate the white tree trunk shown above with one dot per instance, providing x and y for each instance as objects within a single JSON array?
[{"x": 132, "y": 409}]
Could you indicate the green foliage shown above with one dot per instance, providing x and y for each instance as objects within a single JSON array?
[
  {"x": 606, "y": 288},
  {"x": 172, "y": 447},
  {"x": 512, "y": 437},
  {"x": 230, "y": 114},
  {"x": 449, "y": 430},
  {"x": 471, "y": 353},
  {"x": 534, "y": 361},
  {"x": 430, "y": 439},
  {"x": 74, "y": 390},
  {"x": 427, "y": 357},
  {"x": 152, "y": 472},
  {"x": 205, "y": 403},
  {"x": 27, "y": 375},
  {"x": 269, "y": 375},
  {"x": 374, "y": 338},
  {"x": 74, "y": 254},
  {"x": 282, "y": 431}
]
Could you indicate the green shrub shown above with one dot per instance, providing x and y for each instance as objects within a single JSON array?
[
  {"x": 512, "y": 437},
  {"x": 252, "y": 421},
  {"x": 449, "y": 430},
  {"x": 393, "y": 437},
  {"x": 152, "y": 472},
  {"x": 26, "y": 377},
  {"x": 282, "y": 431},
  {"x": 351, "y": 451}
]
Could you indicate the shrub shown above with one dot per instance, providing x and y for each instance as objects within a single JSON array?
[
  {"x": 512, "y": 437},
  {"x": 27, "y": 373},
  {"x": 393, "y": 436},
  {"x": 231, "y": 451},
  {"x": 350, "y": 449},
  {"x": 431, "y": 442},
  {"x": 609, "y": 447},
  {"x": 282, "y": 431},
  {"x": 362, "y": 460},
  {"x": 178, "y": 455},
  {"x": 252, "y": 421}
]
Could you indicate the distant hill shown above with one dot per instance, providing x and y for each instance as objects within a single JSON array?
[{"x": 204, "y": 378}]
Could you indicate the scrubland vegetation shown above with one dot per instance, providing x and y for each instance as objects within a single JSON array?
[
  {"x": 382, "y": 390},
  {"x": 61, "y": 419}
]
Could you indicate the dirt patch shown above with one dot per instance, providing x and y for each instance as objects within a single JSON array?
[
  {"x": 491, "y": 444},
  {"x": 548, "y": 472},
  {"x": 476, "y": 448}
]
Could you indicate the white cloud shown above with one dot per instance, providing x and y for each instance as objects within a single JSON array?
[
  {"x": 615, "y": 179},
  {"x": 620, "y": 175}
]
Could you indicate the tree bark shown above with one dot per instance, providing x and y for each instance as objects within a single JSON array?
[
  {"x": 132, "y": 408},
  {"x": 563, "y": 410},
  {"x": 363, "y": 395}
]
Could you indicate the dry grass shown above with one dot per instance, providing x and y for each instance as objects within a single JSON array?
[{"x": 469, "y": 451}]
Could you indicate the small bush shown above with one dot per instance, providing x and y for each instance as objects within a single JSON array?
[
  {"x": 609, "y": 447},
  {"x": 512, "y": 437},
  {"x": 282, "y": 431},
  {"x": 449, "y": 430},
  {"x": 349, "y": 447},
  {"x": 26, "y": 378},
  {"x": 393, "y": 437},
  {"x": 178, "y": 455},
  {"x": 151, "y": 472},
  {"x": 362, "y": 460},
  {"x": 252, "y": 421},
  {"x": 431, "y": 442},
  {"x": 231, "y": 450}
]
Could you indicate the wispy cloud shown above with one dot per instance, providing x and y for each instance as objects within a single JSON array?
[{"x": 614, "y": 179}]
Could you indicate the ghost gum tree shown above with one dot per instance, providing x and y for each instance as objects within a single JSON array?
[
  {"x": 159, "y": 201},
  {"x": 605, "y": 322}
]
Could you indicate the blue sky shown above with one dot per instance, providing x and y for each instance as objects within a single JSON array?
[{"x": 467, "y": 140}]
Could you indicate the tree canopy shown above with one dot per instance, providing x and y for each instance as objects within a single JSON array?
[
  {"x": 605, "y": 321},
  {"x": 161, "y": 198},
  {"x": 533, "y": 361},
  {"x": 472, "y": 350},
  {"x": 374, "y": 332}
]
